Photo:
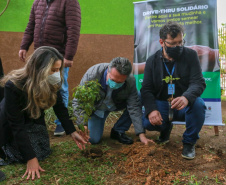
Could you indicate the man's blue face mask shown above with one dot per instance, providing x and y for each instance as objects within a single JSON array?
[{"x": 114, "y": 85}]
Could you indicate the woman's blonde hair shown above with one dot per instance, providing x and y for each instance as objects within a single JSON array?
[{"x": 32, "y": 79}]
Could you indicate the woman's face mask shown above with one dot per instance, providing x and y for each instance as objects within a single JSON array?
[
  {"x": 54, "y": 78},
  {"x": 114, "y": 85}
]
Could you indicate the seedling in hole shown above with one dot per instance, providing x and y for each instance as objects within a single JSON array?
[{"x": 86, "y": 96}]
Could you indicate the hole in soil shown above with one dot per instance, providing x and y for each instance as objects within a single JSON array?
[
  {"x": 152, "y": 152},
  {"x": 94, "y": 153}
]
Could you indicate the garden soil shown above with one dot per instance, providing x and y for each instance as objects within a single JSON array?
[{"x": 162, "y": 164}]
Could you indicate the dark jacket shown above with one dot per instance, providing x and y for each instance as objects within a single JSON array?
[
  {"x": 124, "y": 97},
  {"x": 15, "y": 121},
  {"x": 188, "y": 69},
  {"x": 55, "y": 24}
]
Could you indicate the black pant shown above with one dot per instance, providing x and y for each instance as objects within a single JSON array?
[
  {"x": 2, "y": 154},
  {"x": 1, "y": 75}
]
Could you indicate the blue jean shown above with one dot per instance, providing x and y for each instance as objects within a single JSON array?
[
  {"x": 64, "y": 91},
  {"x": 96, "y": 125},
  {"x": 194, "y": 117}
]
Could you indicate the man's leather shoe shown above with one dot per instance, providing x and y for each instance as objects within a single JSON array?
[
  {"x": 121, "y": 137},
  {"x": 188, "y": 151}
]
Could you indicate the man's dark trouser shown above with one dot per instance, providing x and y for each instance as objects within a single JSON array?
[{"x": 193, "y": 116}]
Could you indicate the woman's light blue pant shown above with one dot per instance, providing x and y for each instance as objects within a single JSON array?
[{"x": 64, "y": 91}]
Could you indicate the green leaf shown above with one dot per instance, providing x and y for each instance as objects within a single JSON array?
[
  {"x": 81, "y": 127},
  {"x": 86, "y": 96}
]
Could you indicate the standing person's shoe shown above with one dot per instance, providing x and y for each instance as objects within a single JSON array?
[
  {"x": 164, "y": 136},
  {"x": 2, "y": 176},
  {"x": 121, "y": 137},
  {"x": 188, "y": 151},
  {"x": 59, "y": 131}
]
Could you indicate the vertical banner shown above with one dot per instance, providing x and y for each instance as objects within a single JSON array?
[{"x": 199, "y": 19}]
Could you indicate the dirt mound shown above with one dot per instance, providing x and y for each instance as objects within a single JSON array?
[{"x": 163, "y": 164}]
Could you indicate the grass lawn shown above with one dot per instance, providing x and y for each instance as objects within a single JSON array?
[{"x": 66, "y": 165}]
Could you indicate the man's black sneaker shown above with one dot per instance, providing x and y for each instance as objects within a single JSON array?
[
  {"x": 59, "y": 131},
  {"x": 121, "y": 137},
  {"x": 188, "y": 151},
  {"x": 164, "y": 135}
]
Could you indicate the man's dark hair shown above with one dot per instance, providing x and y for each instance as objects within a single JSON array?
[
  {"x": 171, "y": 28},
  {"x": 122, "y": 65}
]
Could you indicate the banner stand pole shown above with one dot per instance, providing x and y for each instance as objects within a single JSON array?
[{"x": 216, "y": 130}]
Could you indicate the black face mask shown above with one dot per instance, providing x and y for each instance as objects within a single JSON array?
[{"x": 174, "y": 52}]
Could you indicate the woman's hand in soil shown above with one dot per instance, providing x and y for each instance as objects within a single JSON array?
[
  {"x": 144, "y": 140},
  {"x": 33, "y": 169},
  {"x": 179, "y": 103},
  {"x": 79, "y": 140},
  {"x": 155, "y": 118}
]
